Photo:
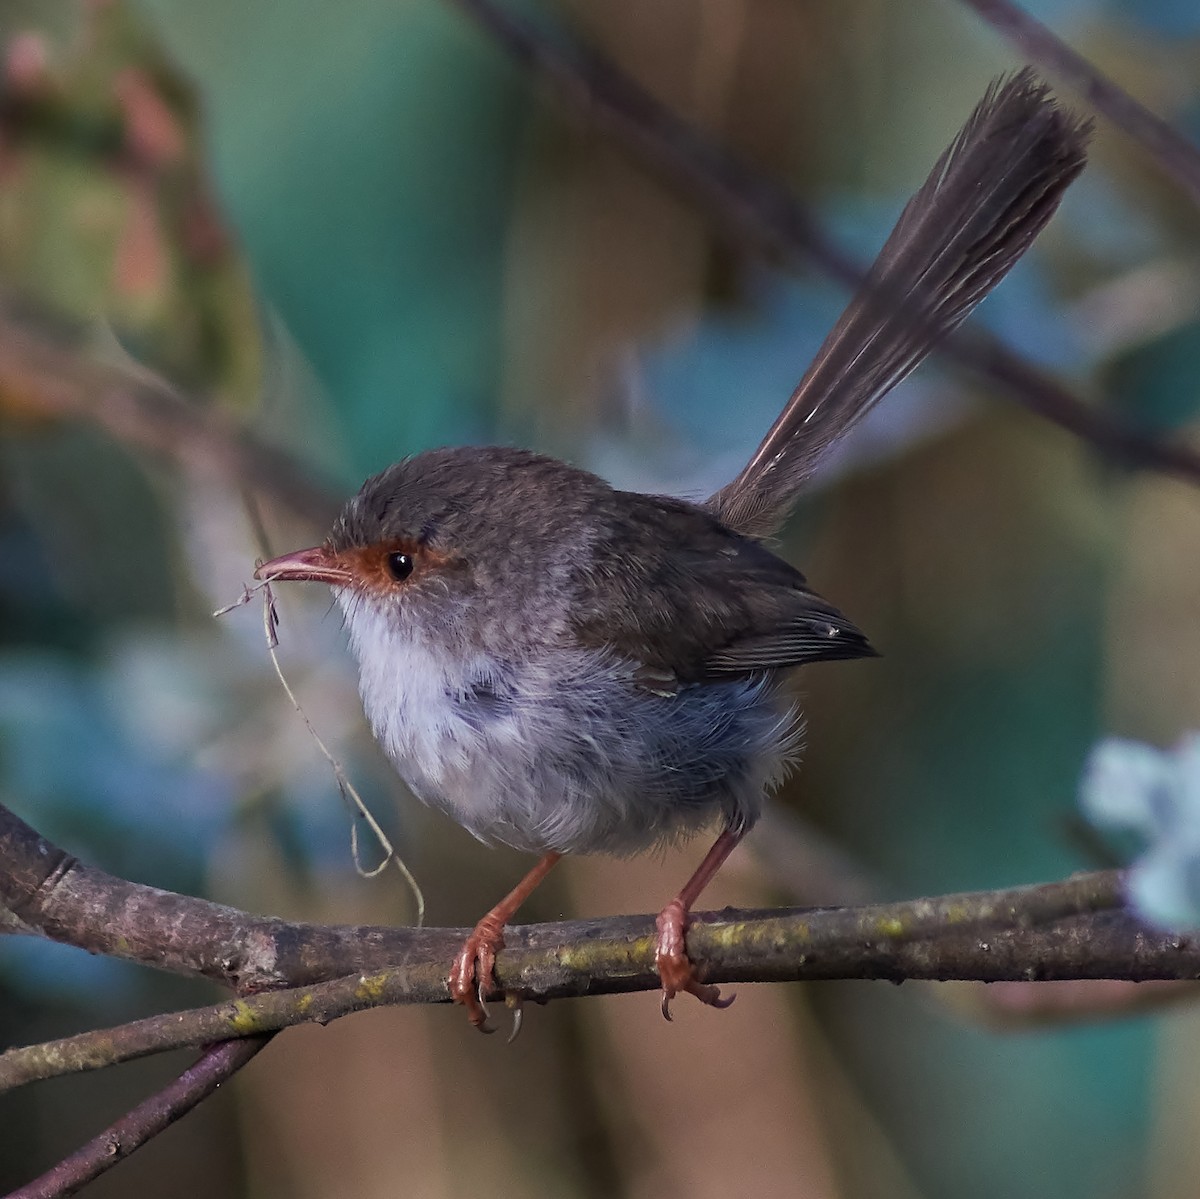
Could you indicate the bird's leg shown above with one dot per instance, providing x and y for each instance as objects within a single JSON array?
[
  {"x": 473, "y": 973},
  {"x": 675, "y": 968}
]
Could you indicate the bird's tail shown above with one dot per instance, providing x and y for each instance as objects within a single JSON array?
[{"x": 987, "y": 198}]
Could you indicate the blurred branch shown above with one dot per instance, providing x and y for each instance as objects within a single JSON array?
[
  {"x": 145, "y": 1121},
  {"x": 49, "y": 373},
  {"x": 805, "y": 865},
  {"x": 765, "y": 217},
  {"x": 1019, "y": 1006},
  {"x": 37, "y": 113},
  {"x": 1173, "y": 152}
]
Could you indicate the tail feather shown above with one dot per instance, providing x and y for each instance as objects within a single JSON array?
[{"x": 986, "y": 199}]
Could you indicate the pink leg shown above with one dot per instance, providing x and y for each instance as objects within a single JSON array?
[
  {"x": 670, "y": 952},
  {"x": 473, "y": 974}
]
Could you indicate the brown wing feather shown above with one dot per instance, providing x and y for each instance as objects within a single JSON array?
[
  {"x": 686, "y": 591},
  {"x": 671, "y": 588}
]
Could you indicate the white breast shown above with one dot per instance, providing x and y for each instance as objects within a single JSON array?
[
  {"x": 412, "y": 695},
  {"x": 564, "y": 752}
]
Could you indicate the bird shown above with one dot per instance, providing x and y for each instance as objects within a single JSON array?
[{"x": 567, "y": 668}]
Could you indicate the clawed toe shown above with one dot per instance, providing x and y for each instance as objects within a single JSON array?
[
  {"x": 679, "y": 976},
  {"x": 675, "y": 968},
  {"x": 472, "y": 976}
]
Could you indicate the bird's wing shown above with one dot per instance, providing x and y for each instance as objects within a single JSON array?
[{"x": 668, "y": 586}]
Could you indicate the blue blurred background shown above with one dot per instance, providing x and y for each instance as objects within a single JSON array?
[{"x": 363, "y": 232}]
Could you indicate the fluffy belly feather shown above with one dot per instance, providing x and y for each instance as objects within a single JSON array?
[{"x": 563, "y": 751}]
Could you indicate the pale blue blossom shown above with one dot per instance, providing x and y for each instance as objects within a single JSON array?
[{"x": 1154, "y": 793}]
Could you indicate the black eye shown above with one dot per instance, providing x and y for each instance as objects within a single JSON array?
[{"x": 400, "y": 566}]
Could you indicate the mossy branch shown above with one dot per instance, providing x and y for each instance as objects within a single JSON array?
[{"x": 1067, "y": 930}]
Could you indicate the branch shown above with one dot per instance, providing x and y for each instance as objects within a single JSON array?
[
  {"x": 1060, "y": 931},
  {"x": 1019, "y": 1006},
  {"x": 1173, "y": 152},
  {"x": 52, "y": 373},
  {"x": 1071, "y": 929},
  {"x": 765, "y": 217},
  {"x": 60, "y": 898},
  {"x": 147, "y": 1120}
]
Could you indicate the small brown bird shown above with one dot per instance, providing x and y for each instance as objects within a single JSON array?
[{"x": 567, "y": 668}]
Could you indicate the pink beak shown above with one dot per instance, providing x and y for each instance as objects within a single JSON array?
[{"x": 316, "y": 565}]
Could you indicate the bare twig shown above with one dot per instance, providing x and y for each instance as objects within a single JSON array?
[
  {"x": 764, "y": 217},
  {"x": 1173, "y": 152},
  {"x": 145, "y": 1121},
  {"x": 49, "y": 373},
  {"x": 1074, "y": 929}
]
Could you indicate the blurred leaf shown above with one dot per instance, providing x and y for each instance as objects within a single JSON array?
[
  {"x": 372, "y": 207},
  {"x": 104, "y": 209}
]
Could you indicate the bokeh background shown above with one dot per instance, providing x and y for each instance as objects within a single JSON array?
[{"x": 360, "y": 231}]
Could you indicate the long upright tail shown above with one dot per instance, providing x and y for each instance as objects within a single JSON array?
[{"x": 986, "y": 199}]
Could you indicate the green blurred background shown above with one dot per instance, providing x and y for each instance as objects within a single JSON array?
[{"x": 361, "y": 231}]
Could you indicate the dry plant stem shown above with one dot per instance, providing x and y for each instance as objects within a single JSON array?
[
  {"x": 1177, "y": 156},
  {"x": 145, "y": 1121},
  {"x": 764, "y": 217},
  {"x": 347, "y": 790}
]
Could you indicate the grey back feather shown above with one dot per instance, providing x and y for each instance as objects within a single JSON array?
[{"x": 986, "y": 199}]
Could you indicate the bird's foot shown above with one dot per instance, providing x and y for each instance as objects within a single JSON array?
[
  {"x": 473, "y": 975},
  {"x": 675, "y": 968}
]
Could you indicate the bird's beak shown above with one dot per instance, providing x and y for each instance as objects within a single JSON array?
[{"x": 318, "y": 565}]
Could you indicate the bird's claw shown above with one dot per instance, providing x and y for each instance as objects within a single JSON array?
[
  {"x": 675, "y": 968},
  {"x": 708, "y": 995},
  {"x": 473, "y": 978},
  {"x": 478, "y": 1013},
  {"x": 516, "y": 1005}
]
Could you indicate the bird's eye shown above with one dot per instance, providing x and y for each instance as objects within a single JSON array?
[{"x": 400, "y": 566}]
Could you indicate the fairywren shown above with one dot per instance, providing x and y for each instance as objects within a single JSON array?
[{"x": 568, "y": 668}]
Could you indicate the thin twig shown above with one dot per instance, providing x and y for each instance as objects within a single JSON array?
[
  {"x": 146, "y": 1120},
  {"x": 763, "y": 217},
  {"x": 1173, "y": 152}
]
